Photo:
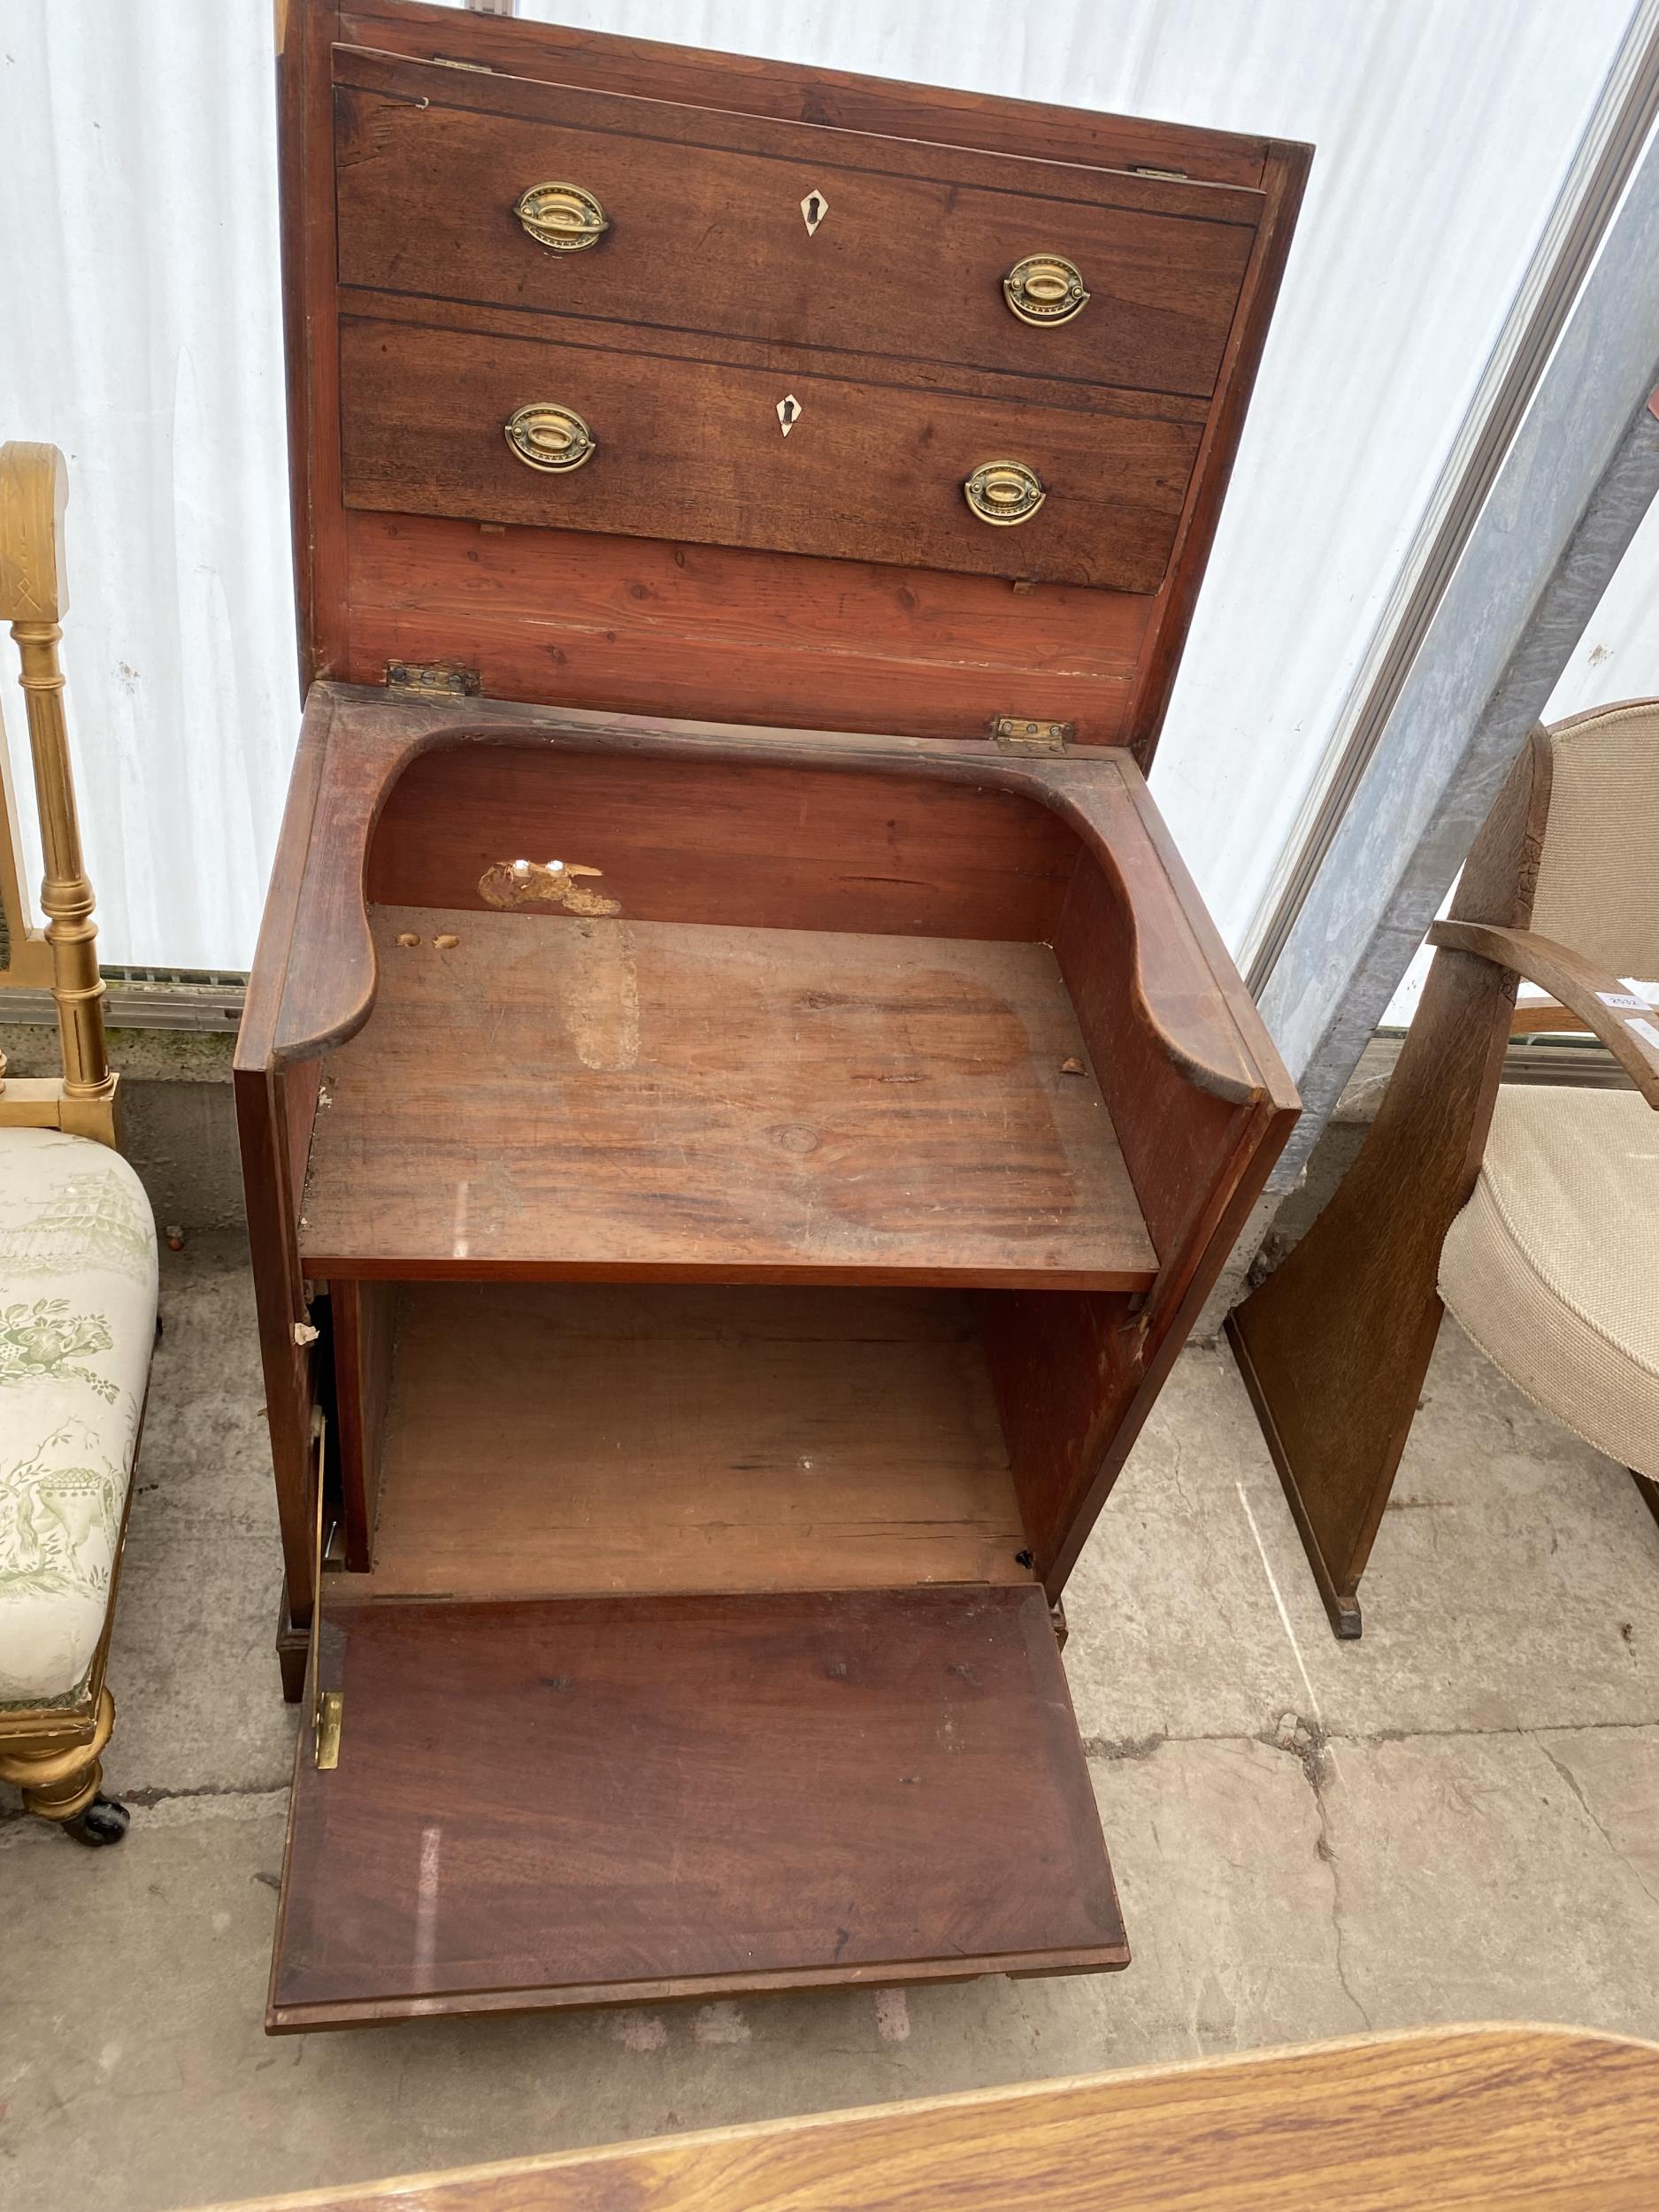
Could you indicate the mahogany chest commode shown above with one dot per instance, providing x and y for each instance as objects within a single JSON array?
[{"x": 741, "y": 1101}]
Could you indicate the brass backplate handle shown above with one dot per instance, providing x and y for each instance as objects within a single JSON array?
[
  {"x": 1045, "y": 288},
  {"x": 1004, "y": 492},
  {"x": 550, "y": 437},
  {"x": 562, "y": 216}
]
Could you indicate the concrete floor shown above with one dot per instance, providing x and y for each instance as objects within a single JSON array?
[{"x": 1457, "y": 1818}]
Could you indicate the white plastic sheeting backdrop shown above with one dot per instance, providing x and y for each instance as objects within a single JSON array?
[{"x": 143, "y": 336}]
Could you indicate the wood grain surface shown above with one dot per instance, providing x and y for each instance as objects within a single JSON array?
[
  {"x": 363, "y": 1318},
  {"x": 568, "y": 1440},
  {"x": 609, "y": 1097},
  {"x": 643, "y": 625},
  {"x": 747, "y": 844},
  {"x": 1599, "y": 1001},
  {"x": 1527, "y": 2119},
  {"x": 811, "y": 1030},
  {"x": 880, "y": 652},
  {"x": 868, "y": 798},
  {"x": 938, "y": 114},
  {"x": 691, "y": 451},
  {"x": 802, "y": 827},
  {"x": 1334, "y": 1346},
  {"x": 620, "y": 1798},
  {"x": 706, "y": 232}
]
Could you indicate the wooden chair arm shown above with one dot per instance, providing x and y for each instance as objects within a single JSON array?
[{"x": 1617, "y": 1017}]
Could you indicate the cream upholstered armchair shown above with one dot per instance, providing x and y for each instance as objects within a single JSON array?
[
  {"x": 77, "y": 1251},
  {"x": 1553, "y": 1266},
  {"x": 1532, "y": 1212}
]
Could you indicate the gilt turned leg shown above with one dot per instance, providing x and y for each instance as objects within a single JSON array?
[{"x": 63, "y": 1786}]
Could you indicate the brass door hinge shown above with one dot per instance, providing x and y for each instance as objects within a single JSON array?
[
  {"x": 328, "y": 1706},
  {"x": 331, "y": 1708},
  {"x": 432, "y": 680},
  {"x": 1015, "y": 733},
  {"x": 1175, "y": 176}
]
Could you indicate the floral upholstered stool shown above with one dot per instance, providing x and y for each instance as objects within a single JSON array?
[
  {"x": 77, "y": 1251},
  {"x": 77, "y": 1324}
]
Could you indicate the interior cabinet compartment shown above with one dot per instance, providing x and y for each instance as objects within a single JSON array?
[
  {"x": 794, "y": 1009},
  {"x": 759, "y": 1024},
  {"x": 545, "y": 1439},
  {"x": 701, "y": 1649}
]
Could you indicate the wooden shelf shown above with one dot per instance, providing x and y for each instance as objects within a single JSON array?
[
  {"x": 551, "y": 1439},
  {"x": 592, "y": 1098}
]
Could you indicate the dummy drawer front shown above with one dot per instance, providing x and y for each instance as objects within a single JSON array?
[
  {"x": 707, "y": 230},
  {"x": 692, "y": 449}
]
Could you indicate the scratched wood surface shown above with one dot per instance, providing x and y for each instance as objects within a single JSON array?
[
  {"x": 788, "y": 828},
  {"x": 606, "y": 1799},
  {"x": 937, "y": 114},
  {"x": 1528, "y": 2119},
  {"x": 691, "y": 451},
  {"x": 577, "y": 1097},
  {"x": 750, "y": 843},
  {"x": 1334, "y": 1346},
  {"x": 667, "y": 629},
  {"x": 707, "y": 234},
  {"x": 574, "y": 1438}
]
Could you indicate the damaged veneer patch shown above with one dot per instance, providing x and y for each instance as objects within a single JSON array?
[{"x": 508, "y": 883}]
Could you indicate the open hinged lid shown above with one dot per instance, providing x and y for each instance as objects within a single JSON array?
[{"x": 637, "y": 378}]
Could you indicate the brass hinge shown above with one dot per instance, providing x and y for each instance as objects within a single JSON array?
[
  {"x": 328, "y": 1706},
  {"x": 331, "y": 1712},
  {"x": 432, "y": 680},
  {"x": 1015, "y": 734},
  {"x": 1175, "y": 176},
  {"x": 448, "y": 61}
]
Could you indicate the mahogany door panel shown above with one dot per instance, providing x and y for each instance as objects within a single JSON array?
[{"x": 602, "y": 1799}]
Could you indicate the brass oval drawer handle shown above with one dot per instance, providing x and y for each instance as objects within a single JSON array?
[
  {"x": 1004, "y": 492},
  {"x": 1045, "y": 288},
  {"x": 544, "y": 436},
  {"x": 562, "y": 216}
]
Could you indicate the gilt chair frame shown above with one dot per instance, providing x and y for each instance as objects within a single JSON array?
[{"x": 51, "y": 1751}]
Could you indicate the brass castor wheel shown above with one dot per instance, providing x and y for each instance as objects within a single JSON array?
[{"x": 103, "y": 1821}]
